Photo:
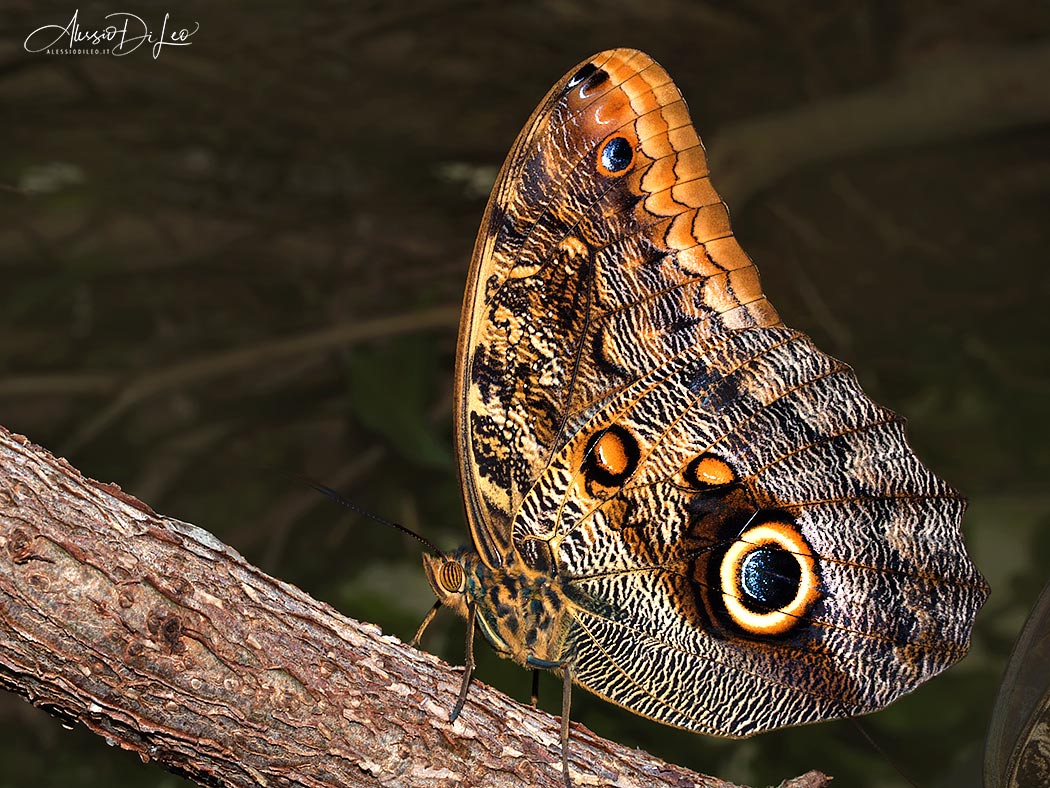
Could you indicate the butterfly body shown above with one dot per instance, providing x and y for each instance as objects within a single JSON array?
[
  {"x": 520, "y": 611},
  {"x": 680, "y": 503}
]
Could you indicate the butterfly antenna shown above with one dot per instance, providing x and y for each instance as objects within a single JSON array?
[
  {"x": 875, "y": 746},
  {"x": 365, "y": 513}
]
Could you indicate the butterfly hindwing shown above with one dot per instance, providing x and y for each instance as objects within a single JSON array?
[{"x": 720, "y": 447}]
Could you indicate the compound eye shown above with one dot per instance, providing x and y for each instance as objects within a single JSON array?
[{"x": 450, "y": 576}]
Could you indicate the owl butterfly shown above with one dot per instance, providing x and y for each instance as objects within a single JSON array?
[{"x": 677, "y": 502}]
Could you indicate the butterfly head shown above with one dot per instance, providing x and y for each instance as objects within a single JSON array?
[{"x": 448, "y": 575}]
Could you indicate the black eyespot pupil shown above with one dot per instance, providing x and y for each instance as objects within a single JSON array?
[
  {"x": 617, "y": 154},
  {"x": 769, "y": 579},
  {"x": 591, "y": 75},
  {"x": 582, "y": 74}
]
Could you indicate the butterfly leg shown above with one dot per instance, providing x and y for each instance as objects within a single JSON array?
[
  {"x": 566, "y": 702},
  {"x": 426, "y": 623},
  {"x": 535, "y": 698},
  {"x": 468, "y": 664}
]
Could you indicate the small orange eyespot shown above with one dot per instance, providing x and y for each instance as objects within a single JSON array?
[
  {"x": 610, "y": 454},
  {"x": 707, "y": 470}
]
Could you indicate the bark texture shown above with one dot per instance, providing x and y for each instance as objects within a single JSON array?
[{"x": 167, "y": 642}]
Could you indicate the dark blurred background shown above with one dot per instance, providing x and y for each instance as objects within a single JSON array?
[{"x": 242, "y": 261}]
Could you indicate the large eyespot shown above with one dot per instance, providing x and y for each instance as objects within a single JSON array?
[
  {"x": 707, "y": 472},
  {"x": 615, "y": 156},
  {"x": 611, "y": 456},
  {"x": 769, "y": 579},
  {"x": 450, "y": 576}
]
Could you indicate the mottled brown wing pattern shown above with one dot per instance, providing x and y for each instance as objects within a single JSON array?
[
  {"x": 640, "y": 558},
  {"x": 681, "y": 503},
  {"x": 604, "y": 248}
]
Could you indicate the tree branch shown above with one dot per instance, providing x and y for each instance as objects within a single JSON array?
[{"x": 157, "y": 636}]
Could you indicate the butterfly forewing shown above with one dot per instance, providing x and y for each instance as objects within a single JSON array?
[{"x": 604, "y": 247}]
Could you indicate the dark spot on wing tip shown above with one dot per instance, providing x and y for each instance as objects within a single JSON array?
[
  {"x": 590, "y": 76},
  {"x": 581, "y": 75}
]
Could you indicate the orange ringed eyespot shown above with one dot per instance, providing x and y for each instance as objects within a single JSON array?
[
  {"x": 615, "y": 155},
  {"x": 707, "y": 470},
  {"x": 769, "y": 579}
]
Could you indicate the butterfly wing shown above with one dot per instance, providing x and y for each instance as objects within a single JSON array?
[
  {"x": 745, "y": 539},
  {"x": 1019, "y": 733},
  {"x": 749, "y": 542},
  {"x": 602, "y": 226}
]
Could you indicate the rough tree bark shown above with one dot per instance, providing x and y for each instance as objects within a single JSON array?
[{"x": 166, "y": 642}]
